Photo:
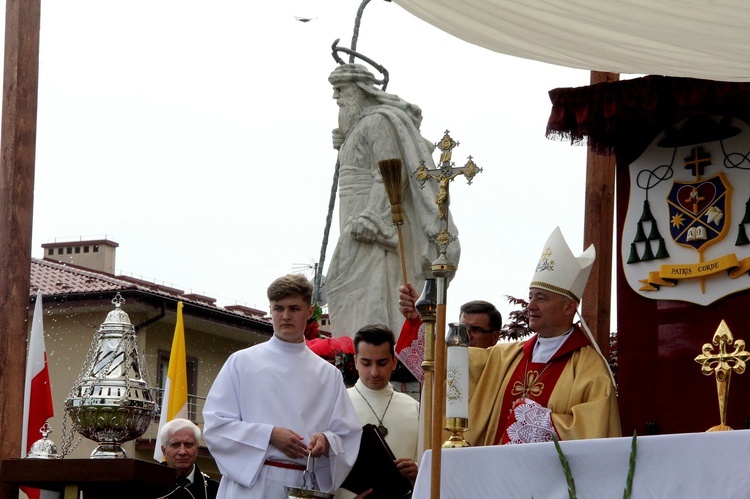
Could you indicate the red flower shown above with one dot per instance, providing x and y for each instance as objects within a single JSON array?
[
  {"x": 311, "y": 330},
  {"x": 321, "y": 347}
]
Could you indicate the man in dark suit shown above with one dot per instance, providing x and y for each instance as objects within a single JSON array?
[{"x": 180, "y": 442}]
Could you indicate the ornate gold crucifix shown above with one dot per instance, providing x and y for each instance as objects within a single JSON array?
[
  {"x": 722, "y": 364},
  {"x": 444, "y": 175}
]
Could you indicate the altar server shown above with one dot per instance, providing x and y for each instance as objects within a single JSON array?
[
  {"x": 275, "y": 403},
  {"x": 395, "y": 414}
]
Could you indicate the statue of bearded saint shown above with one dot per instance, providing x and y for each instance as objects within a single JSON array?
[{"x": 365, "y": 270}]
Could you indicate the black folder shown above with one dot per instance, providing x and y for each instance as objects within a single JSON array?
[{"x": 375, "y": 469}]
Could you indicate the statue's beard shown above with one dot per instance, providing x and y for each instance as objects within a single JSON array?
[{"x": 349, "y": 114}]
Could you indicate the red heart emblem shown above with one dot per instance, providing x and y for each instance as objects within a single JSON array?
[{"x": 696, "y": 199}]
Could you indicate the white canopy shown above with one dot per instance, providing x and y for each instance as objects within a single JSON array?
[{"x": 706, "y": 39}]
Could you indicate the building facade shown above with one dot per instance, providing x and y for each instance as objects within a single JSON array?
[{"x": 78, "y": 286}]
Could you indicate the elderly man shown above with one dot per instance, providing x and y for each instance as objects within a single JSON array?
[
  {"x": 557, "y": 382},
  {"x": 181, "y": 440},
  {"x": 365, "y": 267}
]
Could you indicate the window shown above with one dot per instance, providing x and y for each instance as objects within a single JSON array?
[
  {"x": 51, "y": 251},
  {"x": 192, "y": 381},
  {"x": 96, "y": 249},
  {"x": 69, "y": 250},
  {"x": 59, "y": 251},
  {"x": 78, "y": 249},
  {"x": 85, "y": 249}
]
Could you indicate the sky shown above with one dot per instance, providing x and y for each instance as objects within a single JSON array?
[{"x": 197, "y": 135}]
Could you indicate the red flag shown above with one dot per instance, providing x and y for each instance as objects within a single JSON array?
[
  {"x": 410, "y": 347},
  {"x": 37, "y": 407}
]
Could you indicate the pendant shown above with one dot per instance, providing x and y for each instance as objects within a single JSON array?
[{"x": 382, "y": 430}]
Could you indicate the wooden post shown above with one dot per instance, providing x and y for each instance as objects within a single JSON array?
[
  {"x": 18, "y": 142},
  {"x": 428, "y": 367},
  {"x": 598, "y": 229}
]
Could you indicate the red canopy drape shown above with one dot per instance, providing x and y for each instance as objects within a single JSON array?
[{"x": 623, "y": 117}]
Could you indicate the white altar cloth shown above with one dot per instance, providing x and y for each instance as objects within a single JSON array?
[{"x": 683, "y": 466}]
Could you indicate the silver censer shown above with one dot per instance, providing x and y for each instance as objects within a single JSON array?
[{"x": 110, "y": 402}]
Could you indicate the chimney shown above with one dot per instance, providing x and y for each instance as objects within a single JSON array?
[{"x": 98, "y": 255}]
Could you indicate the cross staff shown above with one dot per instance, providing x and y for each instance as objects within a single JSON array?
[
  {"x": 443, "y": 270},
  {"x": 722, "y": 364}
]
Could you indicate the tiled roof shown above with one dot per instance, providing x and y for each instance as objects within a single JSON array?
[{"x": 55, "y": 278}]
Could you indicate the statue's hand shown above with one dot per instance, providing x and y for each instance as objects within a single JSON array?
[
  {"x": 369, "y": 228},
  {"x": 433, "y": 228},
  {"x": 338, "y": 138}
]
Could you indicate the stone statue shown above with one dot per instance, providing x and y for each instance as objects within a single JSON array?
[{"x": 365, "y": 271}]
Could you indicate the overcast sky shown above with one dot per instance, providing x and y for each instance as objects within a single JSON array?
[{"x": 197, "y": 135}]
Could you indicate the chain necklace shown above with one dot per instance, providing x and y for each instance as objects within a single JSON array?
[
  {"x": 381, "y": 427},
  {"x": 531, "y": 383}
]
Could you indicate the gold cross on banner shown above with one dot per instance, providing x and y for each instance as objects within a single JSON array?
[{"x": 722, "y": 364}]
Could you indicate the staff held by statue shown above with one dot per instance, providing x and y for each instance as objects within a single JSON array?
[{"x": 390, "y": 169}]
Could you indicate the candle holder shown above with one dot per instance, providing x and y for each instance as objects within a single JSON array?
[
  {"x": 426, "y": 306},
  {"x": 457, "y": 427}
]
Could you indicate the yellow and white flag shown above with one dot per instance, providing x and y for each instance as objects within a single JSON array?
[{"x": 174, "y": 403}]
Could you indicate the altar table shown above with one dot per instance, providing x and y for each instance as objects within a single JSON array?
[{"x": 683, "y": 466}]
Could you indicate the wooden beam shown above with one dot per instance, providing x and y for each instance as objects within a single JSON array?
[
  {"x": 18, "y": 142},
  {"x": 598, "y": 226}
]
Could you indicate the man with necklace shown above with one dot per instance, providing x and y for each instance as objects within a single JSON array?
[{"x": 395, "y": 414}]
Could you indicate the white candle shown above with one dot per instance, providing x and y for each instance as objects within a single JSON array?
[{"x": 457, "y": 375}]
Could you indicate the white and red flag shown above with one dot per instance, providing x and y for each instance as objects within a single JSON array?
[{"x": 37, "y": 398}]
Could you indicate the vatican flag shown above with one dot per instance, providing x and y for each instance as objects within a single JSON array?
[{"x": 174, "y": 402}]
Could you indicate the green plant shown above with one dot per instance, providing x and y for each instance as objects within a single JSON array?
[
  {"x": 631, "y": 469},
  {"x": 569, "y": 475},
  {"x": 566, "y": 468}
]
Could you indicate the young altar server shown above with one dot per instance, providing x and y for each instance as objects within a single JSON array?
[
  {"x": 557, "y": 382},
  {"x": 275, "y": 403},
  {"x": 395, "y": 414}
]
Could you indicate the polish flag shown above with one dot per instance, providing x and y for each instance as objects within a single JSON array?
[{"x": 37, "y": 397}]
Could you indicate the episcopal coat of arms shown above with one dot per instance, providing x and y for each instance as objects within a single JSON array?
[{"x": 680, "y": 240}]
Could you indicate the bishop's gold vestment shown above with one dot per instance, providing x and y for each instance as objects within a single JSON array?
[{"x": 583, "y": 401}]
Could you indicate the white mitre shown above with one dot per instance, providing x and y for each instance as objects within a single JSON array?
[{"x": 560, "y": 271}]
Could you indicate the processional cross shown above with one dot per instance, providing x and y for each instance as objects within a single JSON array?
[
  {"x": 444, "y": 174},
  {"x": 722, "y": 364},
  {"x": 434, "y": 364}
]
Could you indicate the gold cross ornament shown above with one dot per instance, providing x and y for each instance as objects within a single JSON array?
[{"x": 722, "y": 364}]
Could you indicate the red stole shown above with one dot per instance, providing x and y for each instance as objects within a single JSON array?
[{"x": 541, "y": 377}]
